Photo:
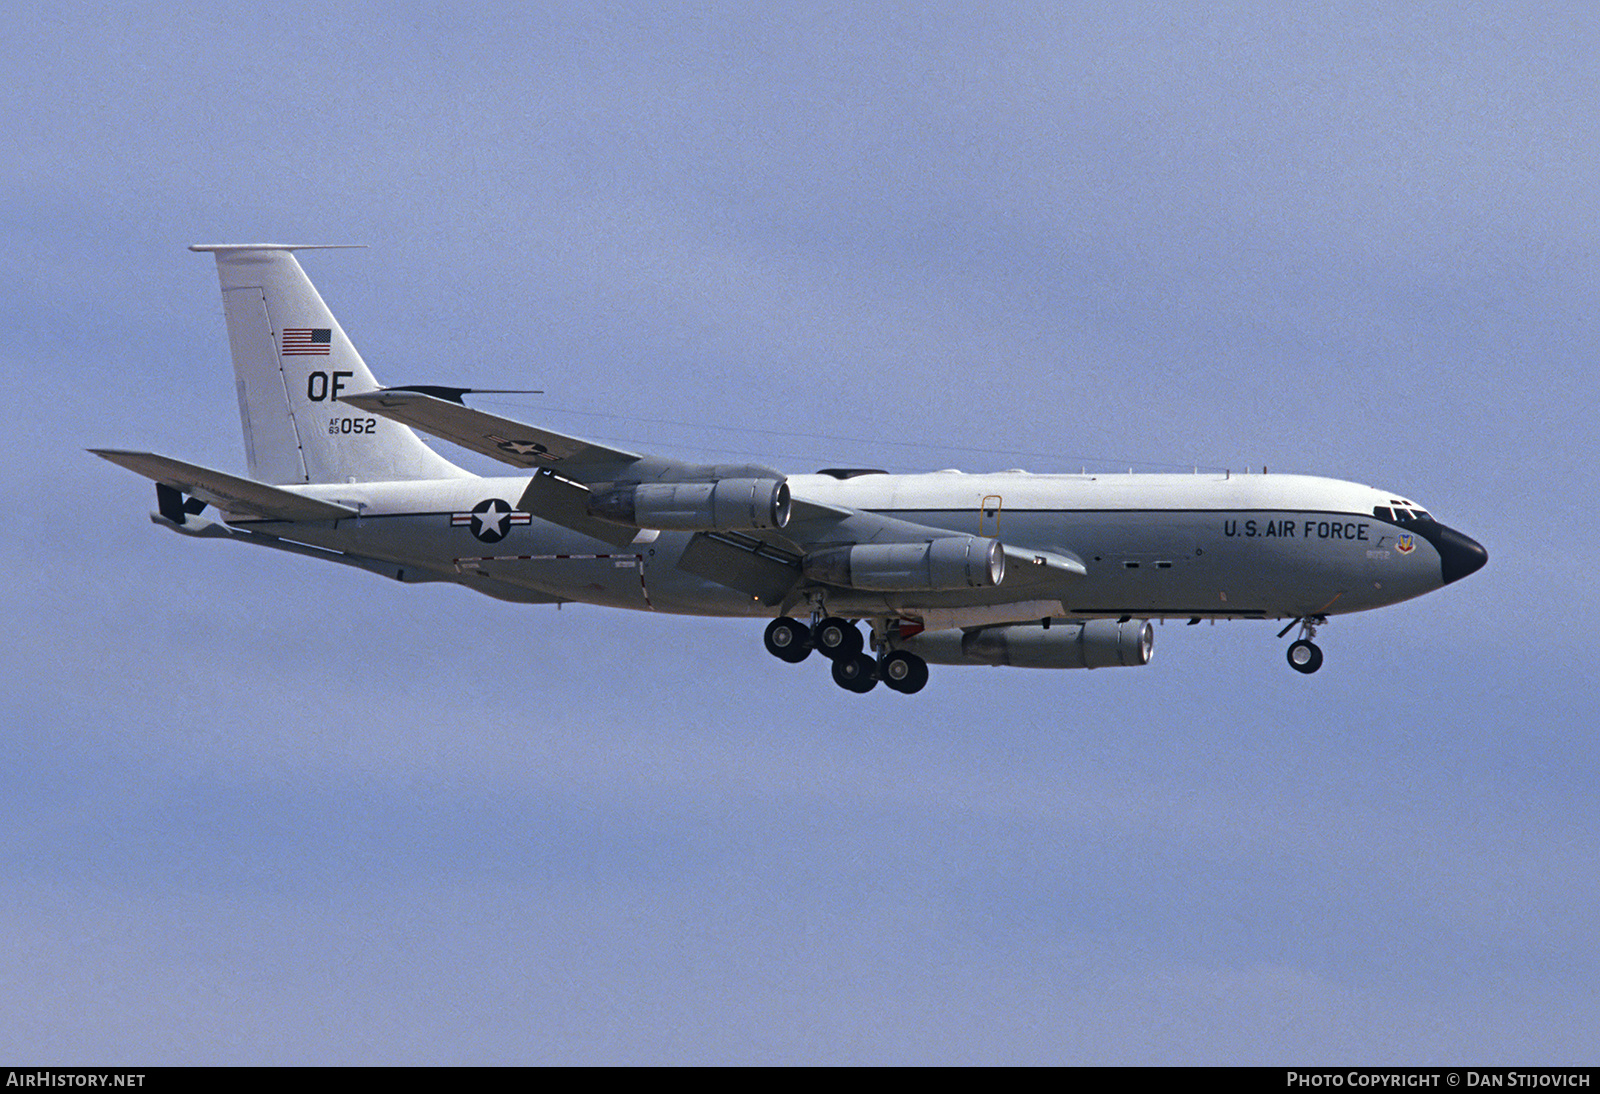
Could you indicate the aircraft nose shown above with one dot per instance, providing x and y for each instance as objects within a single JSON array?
[{"x": 1459, "y": 555}]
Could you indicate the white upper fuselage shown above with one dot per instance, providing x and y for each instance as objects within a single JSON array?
[{"x": 1024, "y": 491}]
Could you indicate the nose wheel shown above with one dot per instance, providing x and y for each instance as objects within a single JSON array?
[{"x": 1304, "y": 654}]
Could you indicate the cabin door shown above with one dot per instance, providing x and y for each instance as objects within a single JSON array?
[{"x": 989, "y": 516}]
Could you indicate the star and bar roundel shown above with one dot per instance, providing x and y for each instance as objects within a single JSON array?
[{"x": 490, "y": 520}]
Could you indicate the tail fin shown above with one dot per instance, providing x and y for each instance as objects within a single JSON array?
[{"x": 292, "y": 361}]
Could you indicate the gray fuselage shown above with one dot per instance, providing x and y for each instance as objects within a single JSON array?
[{"x": 1198, "y": 546}]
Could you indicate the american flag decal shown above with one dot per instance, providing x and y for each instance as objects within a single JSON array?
[{"x": 307, "y": 341}]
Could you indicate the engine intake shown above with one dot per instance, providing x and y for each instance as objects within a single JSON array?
[
  {"x": 1097, "y": 644},
  {"x": 940, "y": 565},
  {"x": 726, "y": 505}
]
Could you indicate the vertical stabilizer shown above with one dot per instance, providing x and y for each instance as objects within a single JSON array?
[{"x": 292, "y": 362}]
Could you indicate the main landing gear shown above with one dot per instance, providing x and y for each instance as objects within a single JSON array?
[
  {"x": 905, "y": 672},
  {"x": 788, "y": 640},
  {"x": 841, "y": 642},
  {"x": 1305, "y": 655}
]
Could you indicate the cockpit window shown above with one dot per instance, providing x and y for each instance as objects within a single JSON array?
[{"x": 1402, "y": 515}]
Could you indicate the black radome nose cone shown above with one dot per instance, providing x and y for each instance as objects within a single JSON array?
[{"x": 1459, "y": 555}]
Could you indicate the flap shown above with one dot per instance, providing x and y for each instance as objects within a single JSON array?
[{"x": 559, "y": 500}]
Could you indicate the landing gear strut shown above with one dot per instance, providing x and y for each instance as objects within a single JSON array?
[{"x": 1304, "y": 654}]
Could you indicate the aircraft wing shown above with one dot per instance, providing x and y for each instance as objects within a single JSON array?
[
  {"x": 813, "y": 525},
  {"x": 767, "y": 564},
  {"x": 504, "y": 439},
  {"x": 227, "y": 492}
]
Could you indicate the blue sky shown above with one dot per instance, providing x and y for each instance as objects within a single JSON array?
[{"x": 257, "y": 810}]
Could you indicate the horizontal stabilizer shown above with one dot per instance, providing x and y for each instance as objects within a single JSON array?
[
  {"x": 499, "y": 438},
  {"x": 230, "y": 493}
]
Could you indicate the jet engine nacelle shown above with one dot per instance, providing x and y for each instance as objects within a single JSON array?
[
  {"x": 726, "y": 505},
  {"x": 940, "y": 565},
  {"x": 1097, "y": 644}
]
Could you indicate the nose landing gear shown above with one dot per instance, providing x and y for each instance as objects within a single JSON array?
[{"x": 1304, "y": 654}]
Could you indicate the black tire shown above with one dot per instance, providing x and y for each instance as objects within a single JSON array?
[
  {"x": 857, "y": 673},
  {"x": 788, "y": 640},
  {"x": 837, "y": 638},
  {"x": 904, "y": 672},
  {"x": 1305, "y": 656}
]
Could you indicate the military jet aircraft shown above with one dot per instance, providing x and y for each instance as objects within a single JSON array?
[{"x": 1041, "y": 571}]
